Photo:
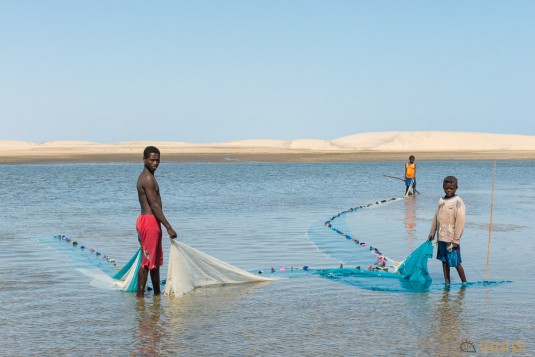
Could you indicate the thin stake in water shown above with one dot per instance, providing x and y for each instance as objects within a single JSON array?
[{"x": 490, "y": 223}]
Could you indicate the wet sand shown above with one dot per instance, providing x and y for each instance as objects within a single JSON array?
[{"x": 232, "y": 157}]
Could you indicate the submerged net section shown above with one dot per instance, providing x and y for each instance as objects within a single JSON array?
[
  {"x": 411, "y": 275},
  {"x": 86, "y": 255}
]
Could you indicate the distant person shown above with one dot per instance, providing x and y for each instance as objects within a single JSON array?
[
  {"x": 410, "y": 176},
  {"x": 149, "y": 222},
  {"x": 448, "y": 225}
]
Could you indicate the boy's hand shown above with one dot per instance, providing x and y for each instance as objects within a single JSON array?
[{"x": 431, "y": 237}]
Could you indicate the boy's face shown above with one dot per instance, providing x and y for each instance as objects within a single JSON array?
[{"x": 449, "y": 188}]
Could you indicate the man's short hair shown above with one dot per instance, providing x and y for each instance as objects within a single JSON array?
[
  {"x": 150, "y": 150},
  {"x": 450, "y": 179}
]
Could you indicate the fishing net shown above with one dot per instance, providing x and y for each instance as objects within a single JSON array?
[
  {"x": 188, "y": 269},
  {"x": 126, "y": 278},
  {"x": 414, "y": 268},
  {"x": 410, "y": 275}
]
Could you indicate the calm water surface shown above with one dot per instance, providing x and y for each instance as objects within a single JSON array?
[{"x": 257, "y": 215}]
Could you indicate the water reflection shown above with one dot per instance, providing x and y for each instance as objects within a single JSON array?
[
  {"x": 150, "y": 327},
  {"x": 208, "y": 300},
  {"x": 210, "y": 311},
  {"x": 309, "y": 316},
  {"x": 410, "y": 219},
  {"x": 448, "y": 333}
]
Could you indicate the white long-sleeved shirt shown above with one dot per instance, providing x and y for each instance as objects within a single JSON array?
[{"x": 449, "y": 220}]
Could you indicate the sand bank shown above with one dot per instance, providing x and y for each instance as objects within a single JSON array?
[{"x": 385, "y": 146}]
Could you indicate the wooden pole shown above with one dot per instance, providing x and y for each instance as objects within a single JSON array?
[
  {"x": 398, "y": 178},
  {"x": 490, "y": 223}
]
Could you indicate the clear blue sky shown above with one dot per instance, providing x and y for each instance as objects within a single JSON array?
[{"x": 210, "y": 71}]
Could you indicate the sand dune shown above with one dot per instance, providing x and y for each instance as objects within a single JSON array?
[
  {"x": 358, "y": 147},
  {"x": 436, "y": 141}
]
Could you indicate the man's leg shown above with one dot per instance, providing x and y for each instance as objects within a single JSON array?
[
  {"x": 141, "y": 281},
  {"x": 155, "y": 278}
]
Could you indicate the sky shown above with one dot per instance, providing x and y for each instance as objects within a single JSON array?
[{"x": 223, "y": 70}]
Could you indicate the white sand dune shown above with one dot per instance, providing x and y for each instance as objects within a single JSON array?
[
  {"x": 302, "y": 144},
  {"x": 428, "y": 141},
  {"x": 381, "y": 142},
  {"x": 436, "y": 141}
]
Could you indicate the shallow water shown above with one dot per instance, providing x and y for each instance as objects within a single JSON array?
[{"x": 258, "y": 216}]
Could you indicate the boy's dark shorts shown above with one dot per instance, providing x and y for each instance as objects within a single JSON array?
[{"x": 442, "y": 252}]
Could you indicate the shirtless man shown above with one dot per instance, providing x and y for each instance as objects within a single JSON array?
[{"x": 149, "y": 222}]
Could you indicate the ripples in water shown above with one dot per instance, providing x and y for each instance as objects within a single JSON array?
[{"x": 257, "y": 215}]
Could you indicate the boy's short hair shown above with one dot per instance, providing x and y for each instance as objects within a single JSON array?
[
  {"x": 450, "y": 179},
  {"x": 150, "y": 150}
]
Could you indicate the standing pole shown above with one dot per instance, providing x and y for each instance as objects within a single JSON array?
[
  {"x": 398, "y": 178},
  {"x": 490, "y": 223}
]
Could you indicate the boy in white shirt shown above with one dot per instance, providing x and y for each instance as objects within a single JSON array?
[{"x": 448, "y": 225}]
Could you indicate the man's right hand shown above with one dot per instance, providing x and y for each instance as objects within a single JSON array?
[
  {"x": 171, "y": 232},
  {"x": 431, "y": 237}
]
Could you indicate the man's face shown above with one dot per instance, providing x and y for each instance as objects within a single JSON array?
[{"x": 152, "y": 162}]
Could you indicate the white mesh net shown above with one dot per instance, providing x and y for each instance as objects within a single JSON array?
[{"x": 190, "y": 268}]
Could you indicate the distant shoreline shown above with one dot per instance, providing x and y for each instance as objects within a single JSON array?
[
  {"x": 278, "y": 157},
  {"x": 364, "y": 147}
]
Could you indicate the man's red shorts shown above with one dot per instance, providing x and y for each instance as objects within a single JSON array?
[{"x": 150, "y": 238}]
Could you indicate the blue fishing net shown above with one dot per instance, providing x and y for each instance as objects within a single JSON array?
[
  {"x": 375, "y": 280},
  {"x": 414, "y": 268},
  {"x": 411, "y": 276},
  {"x": 131, "y": 268}
]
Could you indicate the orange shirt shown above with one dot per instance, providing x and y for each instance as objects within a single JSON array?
[{"x": 410, "y": 168}]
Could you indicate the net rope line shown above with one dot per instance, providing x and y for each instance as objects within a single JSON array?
[
  {"x": 381, "y": 258},
  {"x": 66, "y": 239}
]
